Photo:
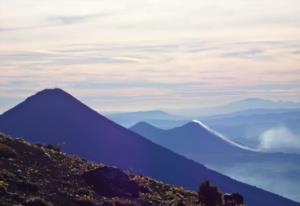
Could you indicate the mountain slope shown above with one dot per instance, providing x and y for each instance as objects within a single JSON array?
[
  {"x": 53, "y": 116},
  {"x": 32, "y": 174},
  {"x": 202, "y": 144},
  {"x": 192, "y": 138}
]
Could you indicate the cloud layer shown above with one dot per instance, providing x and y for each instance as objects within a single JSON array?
[{"x": 163, "y": 54}]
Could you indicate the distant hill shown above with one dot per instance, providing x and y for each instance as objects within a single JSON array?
[
  {"x": 155, "y": 117},
  {"x": 54, "y": 116},
  {"x": 259, "y": 111},
  {"x": 192, "y": 138},
  {"x": 236, "y": 106},
  {"x": 200, "y": 143}
]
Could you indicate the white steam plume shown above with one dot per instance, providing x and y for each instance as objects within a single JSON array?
[{"x": 280, "y": 139}]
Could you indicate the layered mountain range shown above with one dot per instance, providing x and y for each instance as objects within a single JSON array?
[{"x": 54, "y": 116}]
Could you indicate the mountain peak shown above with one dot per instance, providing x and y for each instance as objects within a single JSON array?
[
  {"x": 51, "y": 92},
  {"x": 51, "y": 97},
  {"x": 144, "y": 125},
  {"x": 198, "y": 124},
  {"x": 195, "y": 124},
  {"x": 49, "y": 104}
]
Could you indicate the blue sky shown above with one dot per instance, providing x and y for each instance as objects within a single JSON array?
[{"x": 149, "y": 54}]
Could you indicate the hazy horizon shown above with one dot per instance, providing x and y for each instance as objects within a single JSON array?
[{"x": 185, "y": 111}]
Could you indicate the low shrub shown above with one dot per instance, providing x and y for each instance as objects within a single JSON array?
[{"x": 7, "y": 151}]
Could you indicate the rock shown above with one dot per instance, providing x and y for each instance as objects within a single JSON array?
[
  {"x": 111, "y": 182},
  {"x": 3, "y": 187},
  {"x": 26, "y": 186},
  {"x": 37, "y": 202},
  {"x": 7, "y": 151},
  {"x": 233, "y": 199},
  {"x": 85, "y": 203},
  {"x": 53, "y": 147},
  {"x": 84, "y": 191}
]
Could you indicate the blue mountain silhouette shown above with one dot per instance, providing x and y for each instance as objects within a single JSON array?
[{"x": 54, "y": 116}]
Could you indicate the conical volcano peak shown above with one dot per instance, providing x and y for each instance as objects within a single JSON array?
[
  {"x": 50, "y": 104},
  {"x": 51, "y": 97},
  {"x": 53, "y": 93},
  {"x": 195, "y": 124}
]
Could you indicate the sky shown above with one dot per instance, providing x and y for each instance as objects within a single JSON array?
[{"x": 127, "y": 55}]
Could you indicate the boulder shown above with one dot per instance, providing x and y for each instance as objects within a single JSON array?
[{"x": 111, "y": 182}]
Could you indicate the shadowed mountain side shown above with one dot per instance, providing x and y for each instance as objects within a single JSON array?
[{"x": 53, "y": 116}]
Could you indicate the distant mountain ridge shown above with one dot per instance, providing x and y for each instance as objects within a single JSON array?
[
  {"x": 165, "y": 120},
  {"x": 155, "y": 117},
  {"x": 154, "y": 114},
  {"x": 247, "y": 126},
  {"x": 54, "y": 116},
  {"x": 192, "y": 138},
  {"x": 236, "y": 106},
  {"x": 200, "y": 143}
]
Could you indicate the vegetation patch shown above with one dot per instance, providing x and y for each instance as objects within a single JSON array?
[{"x": 7, "y": 151}]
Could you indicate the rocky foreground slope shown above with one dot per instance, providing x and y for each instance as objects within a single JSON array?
[{"x": 41, "y": 175}]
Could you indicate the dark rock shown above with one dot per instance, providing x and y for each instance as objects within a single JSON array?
[
  {"x": 3, "y": 192},
  {"x": 85, "y": 203},
  {"x": 180, "y": 204},
  {"x": 144, "y": 189},
  {"x": 16, "y": 197},
  {"x": 233, "y": 199},
  {"x": 111, "y": 182},
  {"x": 7, "y": 151},
  {"x": 53, "y": 147},
  {"x": 83, "y": 191},
  {"x": 37, "y": 202},
  {"x": 26, "y": 186},
  {"x": 107, "y": 204}
]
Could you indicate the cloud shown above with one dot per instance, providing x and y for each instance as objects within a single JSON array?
[
  {"x": 65, "y": 20},
  {"x": 280, "y": 139},
  {"x": 54, "y": 21},
  {"x": 252, "y": 53},
  {"x": 63, "y": 58}
]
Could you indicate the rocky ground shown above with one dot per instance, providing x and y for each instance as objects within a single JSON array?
[{"x": 41, "y": 175}]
